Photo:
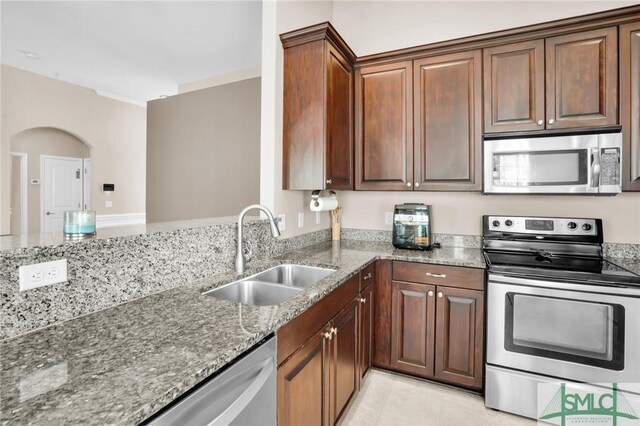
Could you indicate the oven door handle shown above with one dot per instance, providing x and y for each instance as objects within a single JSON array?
[
  {"x": 595, "y": 167},
  {"x": 559, "y": 285}
]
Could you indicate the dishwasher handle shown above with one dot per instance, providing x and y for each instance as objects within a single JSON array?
[{"x": 246, "y": 397}]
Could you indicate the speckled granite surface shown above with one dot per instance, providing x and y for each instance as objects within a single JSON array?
[
  {"x": 621, "y": 251},
  {"x": 630, "y": 264},
  {"x": 106, "y": 272},
  {"x": 120, "y": 365}
]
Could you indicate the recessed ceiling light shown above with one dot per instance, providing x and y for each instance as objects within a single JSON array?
[{"x": 30, "y": 55}]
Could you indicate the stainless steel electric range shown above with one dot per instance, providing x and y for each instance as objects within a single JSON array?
[{"x": 557, "y": 311}]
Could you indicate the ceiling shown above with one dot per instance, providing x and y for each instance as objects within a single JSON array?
[{"x": 133, "y": 50}]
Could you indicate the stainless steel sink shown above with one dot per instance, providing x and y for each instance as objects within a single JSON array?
[
  {"x": 272, "y": 286},
  {"x": 294, "y": 275},
  {"x": 251, "y": 292}
]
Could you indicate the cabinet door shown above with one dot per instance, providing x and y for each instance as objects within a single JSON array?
[
  {"x": 366, "y": 321},
  {"x": 382, "y": 308},
  {"x": 384, "y": 135},
  {"x": 412, "y": 328},
  {"x": 582, "y": 79},
  {"x": 303, "y": 385},
  {"x": 630, "y": 104},
  {"x": 339, "y": 125},
  {"x": 344, "y": 359},
  {"x": 514, "y": 87},
  {"x": 459, "y": 336},
  {"x": 448, "y": 122}
]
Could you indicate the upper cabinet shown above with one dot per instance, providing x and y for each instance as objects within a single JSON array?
[
  {"x": 384, "y": 134},
  {"x": 317, "y": 110},
  {"x": 448, "y": 122},
  {"x": 568, "y": 81},
  {"x": 630, "y": 104}
]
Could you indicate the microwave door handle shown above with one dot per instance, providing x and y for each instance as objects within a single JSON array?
[{"x": 595, "y": 167}]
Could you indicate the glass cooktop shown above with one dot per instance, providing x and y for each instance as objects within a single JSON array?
[{"x": 544, "y": 264}]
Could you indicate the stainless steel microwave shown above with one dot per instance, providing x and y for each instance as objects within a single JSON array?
[{"x": 575, "y": 164}]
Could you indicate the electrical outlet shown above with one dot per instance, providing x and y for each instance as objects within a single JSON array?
[
  {"x": 282, "y": 224},
  {"x": 318, "y": 218},
  {"x": 42, "y": 274},
  {"x": 300, "y": 219},
  {"x": 388, "y": 218},
  {"x": 108, "y": 204}
]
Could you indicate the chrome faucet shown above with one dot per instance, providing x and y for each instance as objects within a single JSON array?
[{"x": 241, "y": 260}]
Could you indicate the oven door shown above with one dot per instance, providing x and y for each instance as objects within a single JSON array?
[
  {"x": 583, "y": 333},
  {"x": 567, "y": 164}
]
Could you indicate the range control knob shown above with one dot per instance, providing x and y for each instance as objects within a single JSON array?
[
  {"x": 572, "y": 225},
  {"x": 508, "y": 222},
  {"x": 496, "y": 223},
  {"x": 586, "y": 227}
]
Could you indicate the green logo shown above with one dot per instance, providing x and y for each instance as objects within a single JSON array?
[{"x": 586, "y": 404}]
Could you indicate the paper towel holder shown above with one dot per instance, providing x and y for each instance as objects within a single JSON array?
[{"x": 316, "y": 194}]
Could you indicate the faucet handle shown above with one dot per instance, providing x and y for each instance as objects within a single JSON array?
[{"x": 248, "y": 250}]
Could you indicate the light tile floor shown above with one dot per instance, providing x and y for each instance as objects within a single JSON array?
[{"x": 393, "y": 400}]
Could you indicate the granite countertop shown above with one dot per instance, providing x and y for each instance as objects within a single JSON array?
[{"x": 121, "y": 365}]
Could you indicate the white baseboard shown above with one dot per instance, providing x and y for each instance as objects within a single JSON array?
[{"x": 109, "y": 220}]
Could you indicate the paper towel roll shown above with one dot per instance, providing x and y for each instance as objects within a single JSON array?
[{"x": 323, "y": 204}]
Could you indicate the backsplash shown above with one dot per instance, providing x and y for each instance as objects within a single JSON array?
[
  {"x": 108, "y": 272},
  {"x": 374, "y": 235}
]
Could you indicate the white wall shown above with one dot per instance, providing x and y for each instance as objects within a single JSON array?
[
  {"x": 115, "y": 131},
  {"x": 279, "y": 17}
]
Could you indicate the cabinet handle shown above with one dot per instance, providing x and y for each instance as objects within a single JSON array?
[
  {"x": 329, "y": 181},
  {"x": 417, "y": 184},
  {"x": 540, "y": 122},
  {"x": 334, "y": 330},
  {"x": 430, "y": 293},
  {"x": 429, "y": 274},
  {"x": 440, "y": 294},
  {"x": 363, "y": 300},
  {"x": 551, "y": 121},
  {"x": 366, "y": 277},
  {"x": 408, "y": 184},
  {"x": 328, "y": 335}
]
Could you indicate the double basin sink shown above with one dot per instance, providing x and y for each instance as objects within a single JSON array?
[{"x": 271, "y": 287}]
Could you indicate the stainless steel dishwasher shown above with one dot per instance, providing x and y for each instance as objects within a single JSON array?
[{"x": 243, "y": 394}]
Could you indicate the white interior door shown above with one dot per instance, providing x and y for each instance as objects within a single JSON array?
[{"x": 61, "y": 190}]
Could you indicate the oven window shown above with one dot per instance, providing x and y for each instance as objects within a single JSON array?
[
  {"x": 570, "y": 330},
  {"x": 541, "y": 168}
]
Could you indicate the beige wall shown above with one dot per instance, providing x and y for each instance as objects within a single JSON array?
[
  {"x": 16, "y": 196},
  {"x": 115, "y": 131},
  {"x": 375, "y": 26},
  {"x": 37, "y": 142},
  {"x": 203, "y": 152}
]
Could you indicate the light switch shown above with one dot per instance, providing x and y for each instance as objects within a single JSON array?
[
  {"x": 388, "y": 218},
  {"x": 282, "y": 224},
  {"x": 300, "y": 220}
]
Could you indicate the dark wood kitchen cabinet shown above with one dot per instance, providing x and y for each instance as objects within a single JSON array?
[
  {"x": 436, "y": 322},
  {"x": 448, "y": 122},
  {"x": 366, "y": 319},
  {"x": 384, "y": 134},
  {"x": 630, "y": 104},
  {"x": 317, "y": 110},
  {"x": 514, "y": 87},
  {"x": 319, "y": 355},
  {"x": 567, "y": 81}
]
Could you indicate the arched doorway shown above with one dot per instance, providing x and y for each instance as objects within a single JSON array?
[{"x": 57, "y": 178}]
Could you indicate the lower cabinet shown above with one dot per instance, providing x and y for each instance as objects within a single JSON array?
[
  {"x": 318, "y": 378},
  {"x": 437, "y": 329}
]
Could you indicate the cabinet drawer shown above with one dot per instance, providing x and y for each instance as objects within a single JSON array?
[
  {"x": 367, "y": 276},
  {"x": 450, "y": 276}
]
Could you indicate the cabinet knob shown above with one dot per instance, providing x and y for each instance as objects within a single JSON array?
[
  {"x": 363, "y": 300},
  {"x": 430, "y": 293},
  {"x": 334, "y": 330},
  {"x": 440, "y": 294},
  {"x": 327, "y": 335},
  {"x": 551, "y": 121},
  {"x": 417, "y": 184},
  {"x": 408, "y": 183},
  {"x": 366, "y": 277},
  {"x": 329, "y": 181},
  {"x": 540, "y": 122}
]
